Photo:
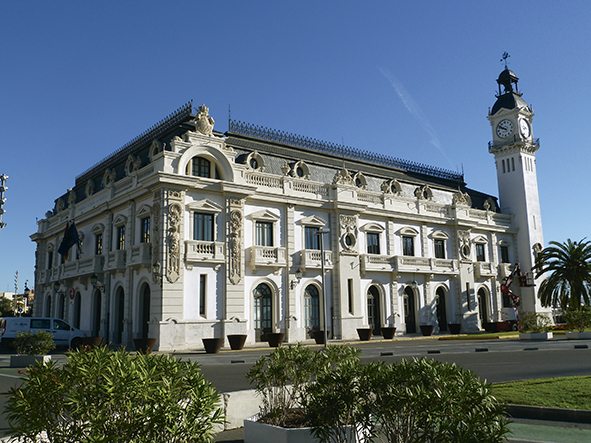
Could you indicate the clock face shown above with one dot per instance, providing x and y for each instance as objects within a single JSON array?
[
  {"x": 504, "y": 129},
  {"x": 524, "y": 127}
]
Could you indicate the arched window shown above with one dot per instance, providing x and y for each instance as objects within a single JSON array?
[
  {"x": 311, "y": 308},
  {"x": 263, "y": 311},
  {"x": 374, "y": 315},
  {"x": 201, "y": 167},
  {"x": 441, "y": 310}
]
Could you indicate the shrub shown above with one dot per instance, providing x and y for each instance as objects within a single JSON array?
[
  {"x": 38, "y": 343},
  {"x": 420, "y": 401},
  {"x": 281, "y": 379},
  {"x": 532, "y": 322},
  {"x": 102, "y": 396},
  {"x": 579, "y": 319}
]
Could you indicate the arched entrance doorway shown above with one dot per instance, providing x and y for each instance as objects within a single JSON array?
[
  {"x": 77, "y": 309},
  {"x": 119, "y": 314},
  {"x": 144, "y": 317},
  {"x": 61, "y": 307},
  {"x": 410, "y": 314},
  {"x": 374, "y": 315},
  {"x": 97, "y": 314},
  {"x": 482, "y": 307},
  {"x": 311, "y": 308},
  {"x": 263, "y": 311},
  {"x": 441, "y": 311}
]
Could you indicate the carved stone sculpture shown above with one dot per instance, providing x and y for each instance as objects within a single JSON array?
[
  {"x": 235, "y": 247},
  {"x": 204, "y": 123}
]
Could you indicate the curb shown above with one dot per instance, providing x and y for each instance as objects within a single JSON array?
[{"x": 554, "y": 414}]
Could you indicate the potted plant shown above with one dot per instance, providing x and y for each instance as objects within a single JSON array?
[
  {"x": 388, "y": 332},
  {"x": 454, "y": 328},
  {"x": 535, "y": 326},
  {"x": 212, "y": 345},
  {"x": 578, "y": 322},
  {"x": 275, "y": 339},
  {"x": 31, "y": 347},
  {"x": 144, "y": 345},
  {"x": 427, "y": 330},
  {"x": 320, "y": 336}
]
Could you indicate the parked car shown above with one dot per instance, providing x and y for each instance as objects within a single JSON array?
[{"x": 63, "y": 333}]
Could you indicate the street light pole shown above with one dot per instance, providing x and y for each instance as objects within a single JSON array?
[
  {"x": 3, "y": 188},
  {"x": 321, "y": 233}
]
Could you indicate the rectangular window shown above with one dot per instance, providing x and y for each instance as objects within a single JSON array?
[
  {"x": 121, "y": 238},
  {"x": 49, "y": 260},
  {"x": 312, "y": 238},
  {"x": 439, "y": 248},
  {"x": 145, "y": 230},
  {"x": 264, "y": 233},
  {"x": 202, "y": 293},
  {"x": 408, "y": 246},
  {"x": 201, "y": 167},
  {"x": 350, "y": 293},
  {"x": 373, "y": 243},
  {"x": 505, "y": 254},
  {"x": 98, "y": 244},
  {"x": 203, "y": 227},
  {"x": 468, "y": 304},
  {"x": 480, "y": 252}
]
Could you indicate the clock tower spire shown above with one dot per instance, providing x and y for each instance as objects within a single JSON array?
[{"x": 514, "y": 148}]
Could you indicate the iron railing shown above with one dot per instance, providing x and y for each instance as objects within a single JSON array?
[{"x": 250, "y": 130}]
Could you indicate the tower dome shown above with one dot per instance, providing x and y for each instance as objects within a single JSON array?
[{"x": 510, "y": 97}]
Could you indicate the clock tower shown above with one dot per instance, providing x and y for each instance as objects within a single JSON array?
[{"x": 515, "y": 149}]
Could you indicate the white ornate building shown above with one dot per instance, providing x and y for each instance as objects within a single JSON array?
[{"x": 191, "y": 233}]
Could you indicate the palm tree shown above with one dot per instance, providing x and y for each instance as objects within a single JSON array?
[{"x": 569, "y": 267}]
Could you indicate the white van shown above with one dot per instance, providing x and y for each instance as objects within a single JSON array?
[{"x": 63, "y": 333}]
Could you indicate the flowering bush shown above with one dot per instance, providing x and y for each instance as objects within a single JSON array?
[
  {"x": 579, "y": 319},
  {"x": 38, "y": 343},
  {"x": 104, "y": 396},
  {"x": 532, "y": 322}
]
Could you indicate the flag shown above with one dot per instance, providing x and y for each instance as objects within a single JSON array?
[{"x": 70, "y": 239}]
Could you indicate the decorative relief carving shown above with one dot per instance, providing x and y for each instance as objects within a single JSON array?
[
  {"x": 461, "y": 198},
  {"x": 343, "y": 177},
  {"x": 204, "y": 123},
  {"x": 391, "y": 187},
  {"x": 59, "y": 205},
  {"x": 464, "y": 240},
  {"x": 71, "y": 197},
  {"x": 490, "y": 204},
  {"x": 235, "y": 247},
  {"x": 174, "y": 242},
  {"x": 109, "y": 177},
  {"x": 360, "y": 181},
  {"x": 132, "y": 164},
  {"x": 155, "y": 239},
  {"x": 424, "y": 193},
  {"x": 89, "y": 190},
  {"x": 348, "y": 234}
]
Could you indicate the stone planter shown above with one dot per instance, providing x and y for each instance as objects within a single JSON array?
[
  {"x": 535, "y": 335},
  {"x": 255, "y": 432},
  {"x": 320, "y": 336},
  {"x": 212, "y": 345},
  {"x": 454, "y": 328},
  {"x": 427, "y": 330},
  {"x": 24, "y": 361},
  {"x": 237, "y": 341},
  {"x": 144, "y": 345},
  {"x": 388, "y": 332},
  {"x": 275, "y": 339},
  {"x": 364, "y": 333},
  {"x": 576, "y": 335}
]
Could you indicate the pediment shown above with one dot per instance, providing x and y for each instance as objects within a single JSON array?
[
  {"x": 265, "y": 215},
  {"x": 440, "y": 235},
  {"x": 372, "y": 227},
  {"x": 479, "y": 239},
  {"x": 204, "y": 205},
  {"x": 144, "y": 211},
  {"x": 119, "y": 220},
  {"x": 99, "y": 228},
  {"x": 313, "y": 220},
  {"x": 408, "y": 231}
]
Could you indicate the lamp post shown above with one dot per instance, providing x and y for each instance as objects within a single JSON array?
[
  {"x": 320, "y": 234},
  {"x": 3, "y": 188}
]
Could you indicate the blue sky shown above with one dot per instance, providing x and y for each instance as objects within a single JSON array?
[{"x": 414, "y": 80}]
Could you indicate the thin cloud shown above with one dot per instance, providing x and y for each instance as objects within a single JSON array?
[{"x": 415, "y": 110}]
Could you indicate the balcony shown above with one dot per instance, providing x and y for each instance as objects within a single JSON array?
[
  {"x": 261, "y": 256},
  {"x": 204, "y": 251},
  {"x": 141, "y": 255},
  {"x": 484, "y": 269},
  {"x": 505, "y": 270},
  {"x": 92, "y": 265},
  {"x": 404, "y": 263},
  {"x": 311, "y": 259},
  {"x": 115, "y": 261},
  {"x": 375, "y": 262}
]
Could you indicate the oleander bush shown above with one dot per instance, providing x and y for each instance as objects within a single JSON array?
[
  {"x": 533, "y": 322},
  {"x": 578, "y": 318},
  {"x": 37, "y": 343},
  {"x": 100, "y": 395}
]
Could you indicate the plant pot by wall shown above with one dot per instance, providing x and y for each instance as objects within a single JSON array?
[
  {"x": 364, "y": 333},
  {"x": 427, "y": 330},
  {"x": 490, "y": 326},
  {"x": 212, "y": 345},
  {"x": 320, "y": 336},
  {"x": 454, "y": 328},
  {"x": 275, "y": 339},
  {"x": 237, "y": 341},
  {"x": 144, "y": 345},
  {"x": 388, "y": 332}
]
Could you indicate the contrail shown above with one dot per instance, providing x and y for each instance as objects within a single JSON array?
[{"x": 415, "y": 110}]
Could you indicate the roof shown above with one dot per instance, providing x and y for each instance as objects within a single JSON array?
[{"x": 510, "y": 100}]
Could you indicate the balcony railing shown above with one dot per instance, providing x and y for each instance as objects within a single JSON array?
[
  {"x": 404, "y": 263},
  {"x": 312, "y": 259},
  {"x": 116, "y": 261},
  {"x": 267, "y": 256},
  {"x": 204, "y": 251},
  {"x": 375, "y": 262},
  {"x": 141, "y": 255},
  {"x": 484, "y": 269}
]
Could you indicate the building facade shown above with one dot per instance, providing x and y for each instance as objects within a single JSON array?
[{"x": 189, "y": 233}]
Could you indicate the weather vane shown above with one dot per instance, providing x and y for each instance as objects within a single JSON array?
[{"x": 505, "y": 57}]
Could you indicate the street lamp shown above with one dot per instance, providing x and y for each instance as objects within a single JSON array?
[
  {"x": 3, "y": 188},
  {"x": 320, "y": 234},
  {"x": 97, "y": 284}
]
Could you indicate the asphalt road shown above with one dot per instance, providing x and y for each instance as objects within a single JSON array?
[{"x": 493, "y": 360}]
